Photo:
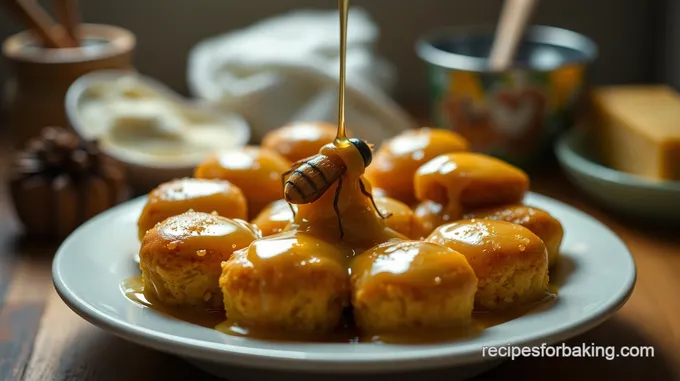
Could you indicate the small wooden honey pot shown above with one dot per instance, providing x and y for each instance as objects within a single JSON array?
[{"x": 42, "y": 75}]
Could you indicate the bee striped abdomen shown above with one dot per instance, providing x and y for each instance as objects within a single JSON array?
[{"x": 312, "y": 179}]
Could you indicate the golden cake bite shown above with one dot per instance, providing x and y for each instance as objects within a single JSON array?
[
  {"x": 180, "y": 258},
  {"x": 411, "y": 284},
  {"x": 200, "y": 195},
  {"x": 400, "y": 217},
  {"x": 545, "y": 226},
  {"x": 256, "y": 171},
  {"x": 299, "y": 140},
  {"x": 449, "y": 184},
  {"x": 275, "y": 217},
  {"x": 287, "y": 282},
  {"x": 509, "y": 260},
  {"x": 397, "y": 160}
]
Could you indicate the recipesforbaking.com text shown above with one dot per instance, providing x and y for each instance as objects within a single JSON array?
[{"x": 564, "y": 350}]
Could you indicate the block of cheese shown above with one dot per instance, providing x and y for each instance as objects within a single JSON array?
[{"x": 638, "y": 129}]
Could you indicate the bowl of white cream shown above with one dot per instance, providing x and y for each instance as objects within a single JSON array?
[{"x": 154, "y": 132}]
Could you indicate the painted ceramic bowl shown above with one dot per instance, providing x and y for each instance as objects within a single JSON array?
[{"x": 513, "y": 114}]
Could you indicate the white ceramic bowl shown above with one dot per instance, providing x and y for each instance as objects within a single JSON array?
[
  {"x": 144, "y": 175},
  {"x": 595, "y": 276},
  {"x": 626, "y": 194}
]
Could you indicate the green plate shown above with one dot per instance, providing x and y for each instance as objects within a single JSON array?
[{"x": 625, "y": 193}]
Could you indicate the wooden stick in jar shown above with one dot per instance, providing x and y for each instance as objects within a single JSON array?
[
  {"x": 67, "y": 12},
  {"x": 514, "y": 18},
  {"x": 38, "y": 21}
]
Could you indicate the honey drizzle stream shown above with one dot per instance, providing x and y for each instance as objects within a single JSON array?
[{"x": 343, "y": 6}]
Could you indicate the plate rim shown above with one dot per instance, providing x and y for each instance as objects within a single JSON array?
[
  {"x": 417, "y": 358},
  {"x": 571, "y": 157}
]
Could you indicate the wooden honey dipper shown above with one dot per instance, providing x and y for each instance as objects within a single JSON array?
[{"x": 50, "y": 34}]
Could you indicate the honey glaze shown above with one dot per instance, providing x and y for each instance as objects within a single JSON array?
[
  {"x": 351, "y": 335},
  {"x": 347, "y": 332},
  {"x": 362, "y": 226},
  {"x": 430, "y": 214},
  {"x": 450, "y": 184},
  {"x": 201, "y": 195},
  {"x": 470, "y": 180},
  {"x": 294, "y": 249},
  {"x": 313, "y": 280},
  {"x": 133, "y": 289},
  {"x": 275, "y": 217},
  {"x": 404, "y": 154},
  {"x": 343, "y": 6},
  {"x": 341, "y": 210}
]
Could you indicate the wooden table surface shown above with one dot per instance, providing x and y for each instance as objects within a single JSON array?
[{"x": 41, "y": 339}]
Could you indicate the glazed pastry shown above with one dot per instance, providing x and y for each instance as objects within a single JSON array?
[
  {"x": 509, "y": 260},
  {"x": 299, "y": 140},
  {"x": 401, "y": 218},
  {"x": 180, "y": 258},
  {"x": 200, "y": 195},
  {"x": 545, "y": 226},
  {"x": 275, "y": 217},
  {"x": 397, "y": 160},
  {"x": 452, "y": 183},
  {"x": 256, "y": 171},
  {"x": 290, "y": 282},
  {"x": 411, "y": 284}
]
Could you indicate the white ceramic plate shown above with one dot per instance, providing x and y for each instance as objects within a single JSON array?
[{"x": 596, "y": 275}]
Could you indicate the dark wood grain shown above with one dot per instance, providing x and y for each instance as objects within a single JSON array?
[
  {"x": 24, "y": 280},
  {"x": 22, "y": 311},
  {"x": 9, "y": 227},
  {"x": 68, "y": 348},
  {"x": 18, "y": 327}
]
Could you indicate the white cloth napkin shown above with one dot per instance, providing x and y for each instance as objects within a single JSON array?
[{"x": 286, "y": 69}]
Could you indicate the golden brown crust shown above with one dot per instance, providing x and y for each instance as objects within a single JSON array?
[
  {"x": 200, "y": 195},
  {"x": 288, "y": 281},
  {"x": 256, "y": 171},
  {"x": 540, "y": 222},
  {"x": 299, "y": 140},
  {"x": 401, "y": 218},
  {"x": 180, "y": 257},
  {"x": 510, "y": 261},
  {"x": 411, "y": 284}
]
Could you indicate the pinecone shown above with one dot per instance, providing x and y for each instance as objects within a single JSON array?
[{"x": 60, "y": 181}]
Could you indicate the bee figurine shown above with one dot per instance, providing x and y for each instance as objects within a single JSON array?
[{"x": 310, "y": 178}]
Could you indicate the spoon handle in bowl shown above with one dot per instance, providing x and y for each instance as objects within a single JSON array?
[
  {"x": 67, "y": 12},
  {"x": 511, "y": 25},
  {"x": 38, "y": 21}
]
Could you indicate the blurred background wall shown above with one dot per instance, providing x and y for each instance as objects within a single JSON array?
[{"x": 632, "y": 34}]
